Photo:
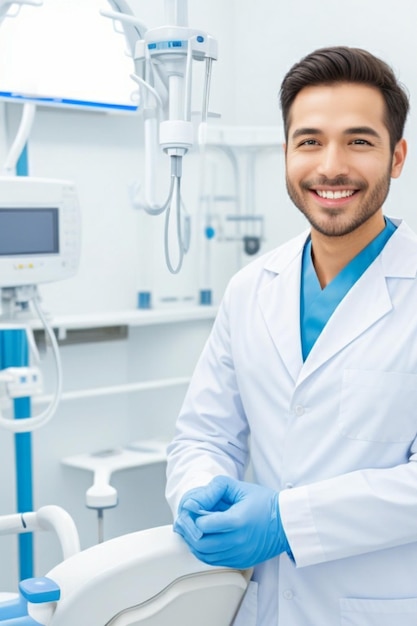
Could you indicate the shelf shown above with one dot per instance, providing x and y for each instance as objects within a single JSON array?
[
  {"x": 129, "y": 318},
  {"x": 135, "y": 454}
]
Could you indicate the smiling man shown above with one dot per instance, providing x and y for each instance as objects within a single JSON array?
[
  {"x": 310, "y": 374},
  {"x": 339, "y": 166}
]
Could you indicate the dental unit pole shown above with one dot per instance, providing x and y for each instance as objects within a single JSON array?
[
  {"x": 163, "y": 59},
  {"x": 14, "y": 353}
]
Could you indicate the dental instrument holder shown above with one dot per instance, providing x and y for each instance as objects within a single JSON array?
[
  {"x": 163, "y": 59},
  {"x": 102, "y": 495}
]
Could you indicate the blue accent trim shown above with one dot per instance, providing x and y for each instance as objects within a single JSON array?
[
  {"x": 17, "y": 97},
  {"x": 22, "y": 166},
  {"x": 20, "y": 621},
  {"x": 14, "y": 352},
  {"x": 200, "y": 39},
  {"x": 13, "y": 608},
  {"x": 40, "y": 590},
  {"x": 206, "y": 296},
  {"x": 167, "y": 45},
  {"x": 144, "y": 300}
]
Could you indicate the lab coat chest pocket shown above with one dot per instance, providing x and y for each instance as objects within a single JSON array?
[
  {"x": 378, "y": 406},
  {"x": 369, "y": 612}
]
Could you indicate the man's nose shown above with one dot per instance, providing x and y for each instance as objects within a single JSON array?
[{"x": 333, "y": 162}]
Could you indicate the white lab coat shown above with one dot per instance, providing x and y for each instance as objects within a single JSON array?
[{"x": 336, "y": 435}]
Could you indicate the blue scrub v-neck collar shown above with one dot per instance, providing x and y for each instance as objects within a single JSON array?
[{"x": 316, "y": 304}]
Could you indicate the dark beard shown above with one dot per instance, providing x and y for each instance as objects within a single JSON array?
[{"x": 370, "y": 206}]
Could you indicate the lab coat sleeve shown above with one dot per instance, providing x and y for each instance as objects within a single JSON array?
[
  {"x": 212, "y": 432},
  {"x": 352, "y": 514}
]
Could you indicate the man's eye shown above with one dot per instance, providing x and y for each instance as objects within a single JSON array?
[
  {"x": 361, "y": 142},
  {"x": 309, "y": 142}
]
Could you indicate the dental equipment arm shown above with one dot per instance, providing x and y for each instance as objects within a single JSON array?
[
  {"x": 28, "y": 114},
  {"x": 133, "y": 29},
  {"x": 163, "y": 64},
  {"x": 52, "y": 518},
  {"x": 5, "y": 6},
  {"x": 22, "y": 136}
]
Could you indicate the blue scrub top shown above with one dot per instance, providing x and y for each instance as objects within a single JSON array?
[{"x": 317, "y": 304}]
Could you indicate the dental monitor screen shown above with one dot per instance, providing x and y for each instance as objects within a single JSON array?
[
  {"x": 28, "y": 231},
  {"x": 40, "y": 230},
  {"x": 65, "y": 54}
]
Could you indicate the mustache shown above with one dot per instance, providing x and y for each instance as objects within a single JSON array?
[{"x": 339, "y": 181}]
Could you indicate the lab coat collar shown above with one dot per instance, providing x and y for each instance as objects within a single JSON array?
[
  {"x": 399, "y": 256},
  {"x": 279, "y": 300},
  {"x": 395, "y": 265}
]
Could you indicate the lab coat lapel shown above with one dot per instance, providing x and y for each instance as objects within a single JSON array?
[
  {"x": 368, "y": 300},
  {"x": 365, "y": 303},
  {"x": 279, "y": 301}
]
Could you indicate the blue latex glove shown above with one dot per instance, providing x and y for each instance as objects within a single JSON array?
[{"x": 232, "y": 523}]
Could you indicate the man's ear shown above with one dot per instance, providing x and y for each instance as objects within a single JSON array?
[{"x": 398, "y": 158}]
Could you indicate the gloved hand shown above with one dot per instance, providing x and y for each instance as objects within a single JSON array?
[{"x": 232, "y": 523}]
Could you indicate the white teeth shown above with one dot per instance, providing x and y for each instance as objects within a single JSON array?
[{"x": 335, "y": 195}]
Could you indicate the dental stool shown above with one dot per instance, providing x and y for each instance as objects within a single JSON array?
[{"x": 146, "y": 578}]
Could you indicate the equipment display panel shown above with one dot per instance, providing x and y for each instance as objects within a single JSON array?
[{"x": 40, "y": 230}]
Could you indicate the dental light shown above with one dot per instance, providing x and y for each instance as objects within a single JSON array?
[{"x": 163, "y": 60}]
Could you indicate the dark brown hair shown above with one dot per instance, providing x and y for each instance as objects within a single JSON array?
[{"x": 352, "y": 65}]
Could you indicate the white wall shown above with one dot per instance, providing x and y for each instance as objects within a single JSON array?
[{"x": 122, "y": 249}]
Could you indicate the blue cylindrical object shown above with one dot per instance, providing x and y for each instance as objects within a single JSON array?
[
  {"x": 206, "y": 296},
  {"x": 209, "y": 232},
  {"x": 144, "y": 300}
]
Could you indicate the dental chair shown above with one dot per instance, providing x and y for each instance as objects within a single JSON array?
[
  {"x": 146, "y": 578},
  {"x": 13, "y": 606}
]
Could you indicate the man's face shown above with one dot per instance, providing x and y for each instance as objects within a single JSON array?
[{"x": 338, "y": 158}]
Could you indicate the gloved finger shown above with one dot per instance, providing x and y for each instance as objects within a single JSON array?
[
  {"x": 227, "y": 558},
  {"x": 178, "y": 528},
  {"x": 193, "y": 508},
  {"x": 234, "y": 490},
  {"x": 185, "y": 526},
  {"x": 208, "y": 497},
  {"x": 207, "y": 548},
  {"x": 220, "y": 543},
  {"x": 234, "y": 518}
]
